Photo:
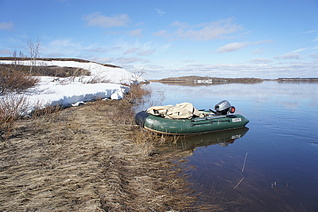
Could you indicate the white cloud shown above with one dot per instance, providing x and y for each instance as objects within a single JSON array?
[
  {"x": 258, "y": 51},
  {"x": 146, "y": 52},
  {"x": 314, "y": 56},
  {"x": 290, "y": 56},
  {"x": 136, "y": 33},
  {"x": 140, "y": 48},
  {"x": 299, "y": 50},
  {"x": 64, "y": 48},
  {"x": 239, "y": 45},
  {"x": 311, "y": 31},
  {"x": 104, "y": 60},
  {"x": 260, "y": 70},
  {"x": 261, "y": 60},
  {"x": 180, "y": 24},
  {"x": 63, "y": 45},
  {"x": 97, "y": 19},
  {"x": 160, "y": 12},
  {"x": 131, "y": 50},
  {"x": 5, "y": 52},
  {"x": 129, "y": 60},
  {"x": 96, "y": 49},
  {"x": 70, "y": 48},
  {"x": 139, "y": 51},
  {"x": 231, "y": 47},
  {"x": 205, "y": 31},
  {"x": 293, "y": 55},
  {"x": 160, "y": 33},
  {"x": 6, "y": 25}
]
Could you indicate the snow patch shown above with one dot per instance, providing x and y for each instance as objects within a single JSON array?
[
  {"x": 66, "y": 92},
  {"x": 98, "y": 71}
]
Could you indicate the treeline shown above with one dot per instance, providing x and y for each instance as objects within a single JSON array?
[
  {"x": 195, "y": 80},
  {"x": 16, "y": 59},
  {"x": 297, "y": 79}
]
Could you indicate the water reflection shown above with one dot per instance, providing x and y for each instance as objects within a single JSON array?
[
  {"x": 294, "y": 95},
  {"x": 278, "y": 152},
  {"x": 222, "y": 138}
]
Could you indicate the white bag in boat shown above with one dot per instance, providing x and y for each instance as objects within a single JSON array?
[
  {"x": 179, "y": 111},
  {"x": 158, "y": 110}
]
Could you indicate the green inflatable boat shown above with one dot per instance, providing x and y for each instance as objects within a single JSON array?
[{"x": 208, "y": 121}]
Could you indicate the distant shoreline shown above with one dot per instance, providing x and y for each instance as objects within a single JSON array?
[{"x": 197, "y": 80}]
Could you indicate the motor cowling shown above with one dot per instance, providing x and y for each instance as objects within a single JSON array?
[{"x": 224, "y": 108}]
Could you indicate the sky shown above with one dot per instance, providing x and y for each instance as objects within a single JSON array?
[{"x": 166, "y": 38}]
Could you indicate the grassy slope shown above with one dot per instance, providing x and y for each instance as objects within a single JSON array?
[{"x": 86, "y": 159}]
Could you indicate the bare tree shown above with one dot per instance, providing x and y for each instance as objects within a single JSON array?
[
  {"x": 15, "y": 60},
  {"x": 34, "y": 52},
  {"x": 137, "y": 75},
  {"x": 21, "y": 54}
]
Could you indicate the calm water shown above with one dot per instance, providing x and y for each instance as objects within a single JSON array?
[{"x": 270, "y": 166}]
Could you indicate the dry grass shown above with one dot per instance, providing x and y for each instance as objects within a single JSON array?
[
  {"x": 44, "y": 70},
  {"x": 86, "y": 159},
  {"x": 11, "y": 107},
  {"x": 136, "y": 93},
  {"x": 12, "y": 80}
]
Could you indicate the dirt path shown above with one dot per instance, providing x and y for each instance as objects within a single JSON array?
[{"x": 84, "y": 159}]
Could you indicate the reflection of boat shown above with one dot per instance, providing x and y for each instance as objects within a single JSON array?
[
  {"x": 187, "y": 144},
  {"x": 221, "y": 137},
  {"x": 210, "y": 122}
]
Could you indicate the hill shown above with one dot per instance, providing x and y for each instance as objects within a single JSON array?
[
  {"x": 98, "y": 72},
  {"x": 16, "y": 59}
]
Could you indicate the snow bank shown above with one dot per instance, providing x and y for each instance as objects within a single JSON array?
[
  {"x": 54, "y": 93},
  {"x": 105, "y": 73},
  {"x": 57, "y": 93},
  {"x": 65, "y": 92}
]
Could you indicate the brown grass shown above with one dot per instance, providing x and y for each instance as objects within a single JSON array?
[
  {"x": 87, "y": 159},
  {"x": 41, "y": 70},
  {"x": 12, "y": 80},
  {"x": 136, "y": 93},
  {"x": 11, "y": 108}
]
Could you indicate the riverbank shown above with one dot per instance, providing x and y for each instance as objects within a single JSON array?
[
  {"x": 197, "y": 80},
  {"x": 87, "y": 159}
]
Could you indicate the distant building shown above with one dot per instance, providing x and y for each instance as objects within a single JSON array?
[{"x": 205, "y": 81}]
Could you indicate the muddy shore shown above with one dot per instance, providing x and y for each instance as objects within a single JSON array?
[{"x": 87, "y": 159}]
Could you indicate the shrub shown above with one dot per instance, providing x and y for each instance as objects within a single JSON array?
[
  {"x": 57, "y": 71},
  {"x": 11, "y": 107},
  {"x": 14, "y": 81},
  {"x": 136, "y": 93},
  {"x": 44, "y": 70}
]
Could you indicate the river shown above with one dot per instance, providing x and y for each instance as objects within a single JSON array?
[{"x": 272, "y": 165}]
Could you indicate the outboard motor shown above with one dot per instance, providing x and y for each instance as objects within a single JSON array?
[{"x": 224, "y": 108}]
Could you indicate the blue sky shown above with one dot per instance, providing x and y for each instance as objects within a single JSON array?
[{"x": 225, "y": 38}]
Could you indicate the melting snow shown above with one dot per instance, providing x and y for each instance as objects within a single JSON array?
[{"x": 52, "y": 91}]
